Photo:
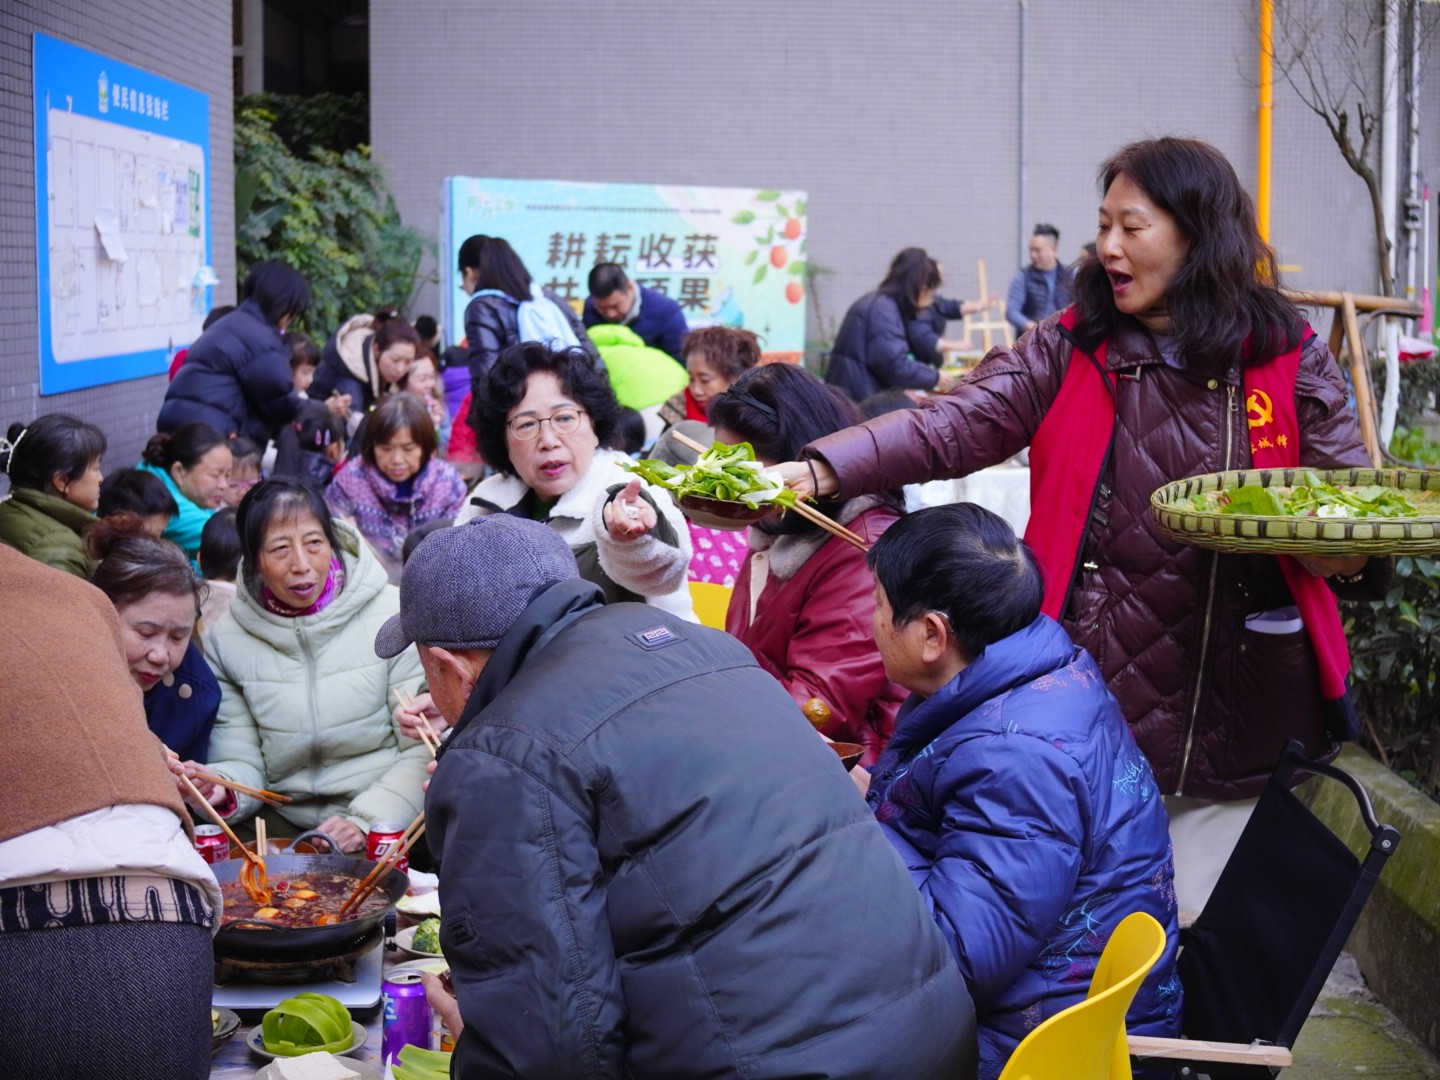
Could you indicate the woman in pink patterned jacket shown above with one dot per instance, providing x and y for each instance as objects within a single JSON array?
[{"x": 397, "y": 482}]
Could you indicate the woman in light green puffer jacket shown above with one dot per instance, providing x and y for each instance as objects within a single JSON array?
[{"x": 307, "y": 707}]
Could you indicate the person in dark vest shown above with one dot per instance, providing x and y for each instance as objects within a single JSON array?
[
  {"x": 652, "y": 903},
  {"x": 1042, "y": 288}
]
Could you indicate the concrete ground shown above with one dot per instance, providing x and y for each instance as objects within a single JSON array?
[{"x": 1350, "y": 1034}]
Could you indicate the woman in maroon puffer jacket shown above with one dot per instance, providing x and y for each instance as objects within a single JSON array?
[
  {"x": 1177, "y": 325},
  {"x": 804, "y": 599}
]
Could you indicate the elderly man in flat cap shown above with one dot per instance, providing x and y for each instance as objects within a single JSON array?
[{"x": 628, "y": 892}]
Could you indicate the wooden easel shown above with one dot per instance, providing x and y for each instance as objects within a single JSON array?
[
  {"x": 983, "y": 322},
  {"x": 1347, "y": 328}
]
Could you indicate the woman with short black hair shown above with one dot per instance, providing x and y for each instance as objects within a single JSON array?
[
  {"x": 396, "y": 482},
  {"x": 804, "y": 598},
  {"x": 305, "y": 703},
  {"x": 54, "y": 468},
  {"x": 548, "y": 422},
  {"x": 142, "y": 493}
]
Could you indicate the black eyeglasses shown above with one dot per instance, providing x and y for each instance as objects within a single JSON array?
[{"x": 562, "y": 422}]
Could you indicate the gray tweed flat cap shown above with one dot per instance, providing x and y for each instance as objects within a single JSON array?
[{"x": 463, "y": 588}]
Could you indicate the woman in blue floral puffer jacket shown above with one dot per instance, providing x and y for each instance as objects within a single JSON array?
[
  {"x": 1012, "y": 788},
  {"x": 396, "y": 483}
]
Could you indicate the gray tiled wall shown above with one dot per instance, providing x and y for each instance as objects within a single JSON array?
[
  {"x": 184, "y": 40},
  {"x": 900, "y": 119}
]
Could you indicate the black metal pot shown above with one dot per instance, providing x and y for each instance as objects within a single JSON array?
[{"x": 259, "y": 940}]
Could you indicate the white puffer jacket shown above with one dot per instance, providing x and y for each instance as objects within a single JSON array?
[
  {"x": 306, "y": 706},
  {"x": 648, "y": 567}
]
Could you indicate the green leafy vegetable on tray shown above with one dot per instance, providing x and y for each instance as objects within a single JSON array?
[
  {"x": 427, "y": 936},
  {"x": 726, "y": 473},
  {"x": 304, "y": 1024},
  {"x": 1314, "y": 498}
]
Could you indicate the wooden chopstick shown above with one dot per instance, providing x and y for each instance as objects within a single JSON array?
[
  {"x": 399, "y": 852},
  {"x": 809, "y": 513},
  {"x": 261, "y": 847},
  {"x": 427, "y": 733},
  {"x": 382, "y": 865},
  {"x": 272, "y": 797},
  {"x": 800, "y": 507}
]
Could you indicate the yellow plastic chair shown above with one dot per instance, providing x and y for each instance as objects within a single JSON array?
[
  {"x": 711, "y": 602},
  {"x": 1087, "y": 1041}
]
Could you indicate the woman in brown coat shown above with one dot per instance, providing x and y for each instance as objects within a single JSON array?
[{"x": 1156, "y": 374}]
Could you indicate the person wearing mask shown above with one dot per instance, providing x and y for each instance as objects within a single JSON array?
[
  {"x": 194, "y": 463},
  {"x": 106, "y": 909},
  {"x": 872, "y": 352},
  {"x": 1153, "y": 375},
  {"x": 158, "y": 599},
  {"x": 651, "y": 902},
  {"x": 804, "y": 598},
  {"x": 236, "y": 377},
  {"x": 311, "y": 595},
  {"x": 656, "y": 319},
  {"x": 1012, "y": 789},
  {"x": 396, "y": 482},
  {"x": 363, "y": 362},
  {"x": 1039, "y": 290},
  {"x": 53, "y": 465}
]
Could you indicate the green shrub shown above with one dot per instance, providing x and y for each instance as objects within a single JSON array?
[
  {"x": 1395, "y": 669},
  {"x": 327, "y": 213}
]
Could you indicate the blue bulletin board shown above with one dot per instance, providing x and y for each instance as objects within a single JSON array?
[
  {"x": 728, "y": 256},
  {"x": 122, "y": 216}
]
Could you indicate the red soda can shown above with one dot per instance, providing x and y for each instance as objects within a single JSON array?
[
  {"x": 383, "y": 836},
  {"x": 212, "y": 843},
  {"x": 409, "y": 1020}
]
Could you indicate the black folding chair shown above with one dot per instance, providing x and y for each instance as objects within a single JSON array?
[{"x": 1256, "y": 959}]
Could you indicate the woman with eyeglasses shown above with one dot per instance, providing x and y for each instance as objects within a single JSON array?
[{"x": 548, "y": 421}]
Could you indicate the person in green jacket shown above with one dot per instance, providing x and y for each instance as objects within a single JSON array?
[
  {"x": 194, "y": 461},
  {"x": 306, "y": 707},
  {"x": 54, "y": 470}
]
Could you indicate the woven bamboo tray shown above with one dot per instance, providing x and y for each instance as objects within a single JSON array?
[{"x": 1239, "y": 533}]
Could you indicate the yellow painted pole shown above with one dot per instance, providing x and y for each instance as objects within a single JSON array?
[{"x": 1265, "y": 114}]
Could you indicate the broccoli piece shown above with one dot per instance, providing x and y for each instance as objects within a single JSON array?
[{"x": 427, "y": 936}]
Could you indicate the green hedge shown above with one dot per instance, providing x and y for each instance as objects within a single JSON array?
[{"x": 325, "y": 211}]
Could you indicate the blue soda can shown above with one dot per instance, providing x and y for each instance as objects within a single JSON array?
[{"x": 409, "y": 1020}]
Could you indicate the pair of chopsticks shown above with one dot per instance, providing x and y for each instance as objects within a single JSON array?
[
  {"x": 407, "y": 840},
  {"x": 252, "y": 875},
  {"x": 427, "y": 733},
  {"x": 269, "y": 797},
  {"x": 809, "y": 513}
]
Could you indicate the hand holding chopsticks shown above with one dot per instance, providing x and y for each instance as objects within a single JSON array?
[
  {"x": 423, "y": 726},
  {"x": 270, "y": 798},
  {"x": 397, "y": 851},
  {"x": 804, "y": 509},
  {"x": 252, "y": 875}
]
